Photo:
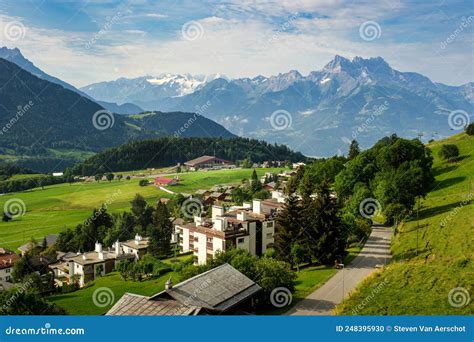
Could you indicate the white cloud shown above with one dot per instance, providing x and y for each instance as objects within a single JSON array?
[{"x": 241, "y": 45}]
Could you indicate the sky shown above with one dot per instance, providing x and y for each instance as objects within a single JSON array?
[{"x": 87, "y": 41}]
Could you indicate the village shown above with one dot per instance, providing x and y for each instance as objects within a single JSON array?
[{"x": 211, "y": 223}]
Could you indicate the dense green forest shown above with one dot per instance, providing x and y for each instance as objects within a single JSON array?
[{"x": 169, "y": 151}]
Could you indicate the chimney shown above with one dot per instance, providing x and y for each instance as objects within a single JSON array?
[
  {"x": 84, "y": 257},
  {"x": 101, "y": 255},
  {"x": 138, "y": 238},
  {"x": 98, "y": 247},
  {"x": 217, "y": 210},
  {"x": 117, "y": 247},
  {"x": 257, "y": 206},
  {"x": 168, "y": 284}
]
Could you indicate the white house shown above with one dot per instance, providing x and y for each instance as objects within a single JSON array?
[
  {"x": 250, "y": 227},
  {"x": 7, "y": 261}
]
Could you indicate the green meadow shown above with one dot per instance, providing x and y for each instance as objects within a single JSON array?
[
  {"x": 55, "y": 207},
  {"x": 437, "y": 277}
]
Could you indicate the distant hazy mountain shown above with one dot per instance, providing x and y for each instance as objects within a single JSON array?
[
  {"x": 360, "y": 98},
  {"x": 126, "y": 108},
  {"x": 43, "y": 120},
  {"x": 147, "y": 90}
]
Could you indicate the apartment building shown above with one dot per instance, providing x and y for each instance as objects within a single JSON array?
[{"x": 250, "y": 227}]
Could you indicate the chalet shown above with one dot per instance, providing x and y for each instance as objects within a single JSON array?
[
  {"x": 208, "y": 162},
  {"x": 137, "y": 247},
  {"x": 164, "y": 181},
  {"x": 48, "y": 241},
  {"x": 250, "y": 227},
  {"x": 8, "y": 259},
  {"x": 221, "y": 290},
  {"x": 85, "y": 267}
]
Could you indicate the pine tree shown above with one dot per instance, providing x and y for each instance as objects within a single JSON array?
[
  {"x": 353, "y": 150},
  {"x": 287, "y": 226},
  {"x": 308, "y": 232},
  {"x": 325, "y": 219},
  {"x": 160, "y": 232}
]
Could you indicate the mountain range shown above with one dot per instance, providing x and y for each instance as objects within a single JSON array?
[
  {"x": 47, "y": 126},
  {"x": 317, "y": 114}
]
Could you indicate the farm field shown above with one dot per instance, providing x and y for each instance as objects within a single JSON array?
[
  {"x": 55, "y": 207},
  {"x": 421, "y": 284}
]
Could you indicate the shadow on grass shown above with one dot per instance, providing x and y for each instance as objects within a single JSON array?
[
  {"x": 432, "y": 211},
  {"x": 446, "y": 183}
]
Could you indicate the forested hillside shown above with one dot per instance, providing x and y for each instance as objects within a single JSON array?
[{"x": 169, "y": 151}]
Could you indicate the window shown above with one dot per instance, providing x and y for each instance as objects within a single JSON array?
[
  {"x": 270, "y": 224},
  {"x": 8, "y": 278},
  {"x": 240, "y": 240},
  {"x": 269, "y": 235},
  {"x": 8, "y": 270}
]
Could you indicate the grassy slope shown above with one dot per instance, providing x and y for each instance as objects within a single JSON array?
[
  {"x": 57, "y": 206},
  {"x": 81, "y": 302},
  {"x": 420, "y": 284}
]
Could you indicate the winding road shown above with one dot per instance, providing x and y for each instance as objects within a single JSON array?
[{"x": 375, "y": 253}]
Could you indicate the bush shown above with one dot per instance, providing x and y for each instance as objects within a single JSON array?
[
  {"x": 143, "y": 182},
  {"x": 470, "y": 129},
  {"x": 449, "y": 152}
]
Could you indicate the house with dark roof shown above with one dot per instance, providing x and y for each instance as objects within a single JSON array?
[
  {"x": 47, "y": 241},
  {"x": 221, "y": 290},
  {"x": 208, "y": 162}
]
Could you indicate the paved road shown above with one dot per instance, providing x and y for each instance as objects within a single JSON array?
[{"x": 376, "y": 251}]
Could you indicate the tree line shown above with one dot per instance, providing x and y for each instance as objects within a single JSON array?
[{"x": 168, "y": 151}]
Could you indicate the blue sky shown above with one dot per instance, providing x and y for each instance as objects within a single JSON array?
[{"x": 84, "y": 41}]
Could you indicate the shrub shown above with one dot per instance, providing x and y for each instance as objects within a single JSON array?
[
  {"x": 449, "y": 152},
  {"x": 470, "y": 129}
]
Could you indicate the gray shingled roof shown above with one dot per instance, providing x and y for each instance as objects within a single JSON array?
[
  {"x": 136, "y": 305},
  {"x": 218, "y": 289}
]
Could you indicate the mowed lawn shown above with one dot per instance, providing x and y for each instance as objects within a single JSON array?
[
  {"x": 421, "y": 285},
  {"x": 55, "y": 207},
  {"x": 100, "y": 295}
]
